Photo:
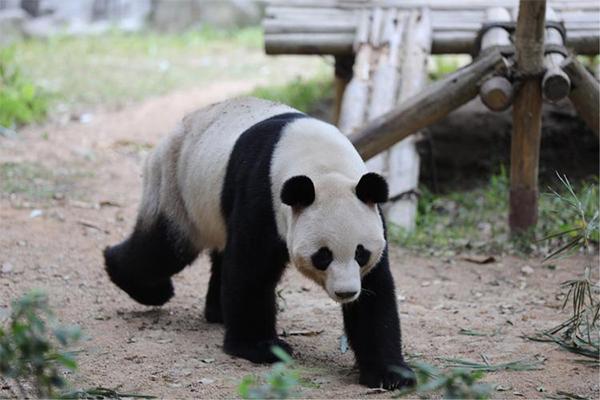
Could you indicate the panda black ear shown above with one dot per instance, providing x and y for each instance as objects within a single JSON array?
[
  {"x": 372, "y": 188},
  {"x": 298, "y": 191}
]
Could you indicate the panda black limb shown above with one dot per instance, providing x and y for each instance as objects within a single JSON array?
[{"x": 261, "y": 186}]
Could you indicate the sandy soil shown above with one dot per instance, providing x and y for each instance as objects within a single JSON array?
[{"x": 172, "y": 352}]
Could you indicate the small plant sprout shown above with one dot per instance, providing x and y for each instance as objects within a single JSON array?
[
  {"x": 33, "y": 346},
  {"x": 455, "y": 383},
  {"x": 281, "y": 382}
]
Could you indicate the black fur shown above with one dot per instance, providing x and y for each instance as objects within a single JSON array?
[
  {"x": 142, "y": 265},
  {"x": 372, "y": 188},
  {"x": 212, "y": 308},
  {"x": 254, "y": 256},
  {"x": 298, "y": 192}
]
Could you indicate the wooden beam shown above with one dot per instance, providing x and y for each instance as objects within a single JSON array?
[
  {"x": 527, "y": 116},
  {"x": 460, "y": 42},
  {"x": 497, "y": 92},
  {"x": 427, "y": 107},
  {"x": 585, "y": 93}
]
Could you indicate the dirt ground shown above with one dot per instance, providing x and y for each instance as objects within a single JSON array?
[{"x": 172, "y": 352}]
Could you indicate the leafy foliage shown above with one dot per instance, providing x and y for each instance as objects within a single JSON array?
[
  {"x": 21, "y": 101},
  {"x": 281, "y": 382},
  {"x": 33, "y": 346},
  {"x": 455, "y": 383}
]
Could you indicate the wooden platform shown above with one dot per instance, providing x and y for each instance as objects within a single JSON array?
[{"x": 329, "y": 26}]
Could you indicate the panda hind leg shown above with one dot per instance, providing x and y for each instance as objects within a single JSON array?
[
  {"x": 213, "y": 311},
  {"x": 142, "y": 265}
]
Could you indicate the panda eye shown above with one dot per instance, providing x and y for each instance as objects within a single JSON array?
[
  {"x": 322, "y": 258},
  {"x": 362, "y": 255}
]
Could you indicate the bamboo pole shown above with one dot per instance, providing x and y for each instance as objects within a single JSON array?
[
  {"x": 556, "y": 84},
  {"x": 497, "y": 92},
  {"x": 585, "y": 94},
  {"x": 427, "y": 107},
  {"x": 527, "y": 116}
]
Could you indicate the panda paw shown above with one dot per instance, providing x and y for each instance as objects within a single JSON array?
[
  {"x": 257, "y": 352},
  {"x": 388, "y": 378}
]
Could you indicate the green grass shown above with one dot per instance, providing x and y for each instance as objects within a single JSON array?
[
  {"x": 34, "y": 182},
  {"x": 300, "y": 93},
  {"x": 477, "y": 220},
  {"x": 119, "y": 68},
  {"x": 21, "y": 100}
]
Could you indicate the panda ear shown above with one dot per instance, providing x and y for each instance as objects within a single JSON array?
[
  {"x": 372, "y": 188},
  {"x": 298, "y": 192}
]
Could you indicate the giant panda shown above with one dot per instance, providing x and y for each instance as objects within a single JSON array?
[{"x": 259, "y": 185}]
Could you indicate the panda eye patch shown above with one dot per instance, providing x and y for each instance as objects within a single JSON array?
[
  {"x": 362, "y": 255},
  {"x": 322, "y": 258}
]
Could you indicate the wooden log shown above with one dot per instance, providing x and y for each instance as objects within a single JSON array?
[
  {"x": 581, "y": 42},
  {"x": 585, "y": 92},
  {"x": 343, "y": 75},
  {"x": 556, "y": 84},
  {"x": 403, "y": 160},
  {"x": 527, "y": 116},
  {"x": 426, "y": 107},
  {"x": 386, "y": 79},
  {"x": 497, "y": 92},
  {"x": 432, "y": 4},
  {"x": 354, "y": 102}
]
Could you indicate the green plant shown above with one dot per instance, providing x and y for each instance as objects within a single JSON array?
[
  {"x": 33, "y": 346},
  {"x": 21, "y": 101},
  {"x": 455, "y": 383},
  {"x": 281, "y": 382},
  {"x": 300, "y": 93},
  {"x": 578, "y": 232}
]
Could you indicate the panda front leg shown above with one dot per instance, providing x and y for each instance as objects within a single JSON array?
[
  {"x": 373, "y": 329},
  {"x": 249, "y": 277},
  {"x": 213, "y": 311}
]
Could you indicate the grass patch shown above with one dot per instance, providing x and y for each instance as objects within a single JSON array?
[
  {"x": 301, "y": 93},
  {"x": 21, "y": 101},
  {"x": 35, "y": 182},
  {"x": 118, "y": 68},
  {"x": 477, "y": 220}
]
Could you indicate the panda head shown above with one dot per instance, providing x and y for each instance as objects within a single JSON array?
[{"x": 335, "y": 234}]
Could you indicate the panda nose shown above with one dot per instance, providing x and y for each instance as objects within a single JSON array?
[{"x": 345, "y": 295}]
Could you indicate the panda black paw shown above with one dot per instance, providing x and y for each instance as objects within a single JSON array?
[
  {"x": 388, "y": 378},
  {"x": 257, "y": 352}
]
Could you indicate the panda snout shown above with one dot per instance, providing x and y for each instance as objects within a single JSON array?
[{"x": 345, "y": 295}]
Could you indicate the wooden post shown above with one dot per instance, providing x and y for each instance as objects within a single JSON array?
[
  {"x": 497, "y": 92},
  {"x": 426, "y": 107},
  {"x": 354, "y": 101},
  {"x": 556, "y": 85},
  {"x": 404, "y": 161},
  {"x": 385, "y": 79},
  {"x": 343, "y": 75},
  {"x": 527, "y": 116},
  {"x": 585, "y": 94}
]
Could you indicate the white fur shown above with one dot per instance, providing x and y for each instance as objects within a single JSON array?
[
  {"x": 187, "y": 170},
  {"x": 337, "y": 219},
  {"x": 210, "y": 135}
]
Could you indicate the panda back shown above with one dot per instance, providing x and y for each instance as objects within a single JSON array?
[{"x": 210, "y": 137}]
